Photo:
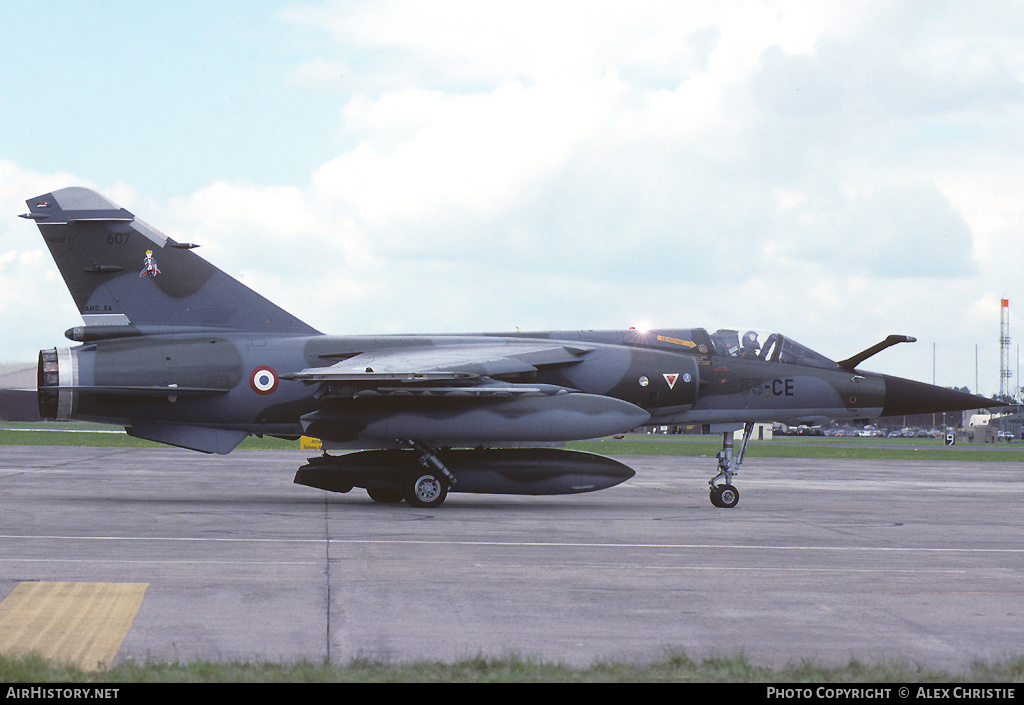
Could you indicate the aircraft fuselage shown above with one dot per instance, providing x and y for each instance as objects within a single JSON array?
[{"x": 214, "y": 380}]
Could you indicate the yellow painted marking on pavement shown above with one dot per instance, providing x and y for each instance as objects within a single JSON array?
[{"x": 79, "y": 623}]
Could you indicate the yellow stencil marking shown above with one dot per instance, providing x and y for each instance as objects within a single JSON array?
[
  {"x": 677, "y": 341},
  {"x": 307, "y": 443},
  {"x": 79, "y": 623}
]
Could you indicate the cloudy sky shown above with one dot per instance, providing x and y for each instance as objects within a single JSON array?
[{"x": 835, "y": 171}]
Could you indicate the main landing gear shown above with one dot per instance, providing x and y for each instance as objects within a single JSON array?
[
  {"x": 427, "y": 486},
  {"x": 725, "y": 495}
]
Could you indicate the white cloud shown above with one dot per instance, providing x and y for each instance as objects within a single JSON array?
[{"x": 430, "y": 156}]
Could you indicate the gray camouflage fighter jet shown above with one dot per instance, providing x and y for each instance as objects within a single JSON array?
[{"x": 178, "y": 352}]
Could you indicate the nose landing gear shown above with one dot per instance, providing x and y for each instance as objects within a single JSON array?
[{"x": 725, "y": 495}]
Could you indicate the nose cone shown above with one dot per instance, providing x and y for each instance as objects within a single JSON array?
[{"x": 907, "y": 397}]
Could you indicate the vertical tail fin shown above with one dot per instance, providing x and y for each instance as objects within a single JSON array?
[{"x": 121, "y": 271}]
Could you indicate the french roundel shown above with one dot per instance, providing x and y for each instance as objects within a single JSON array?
[{"x": 263, "y": 380}]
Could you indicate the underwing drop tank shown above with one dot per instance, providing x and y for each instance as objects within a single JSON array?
[{"x": 523, "y": 471}]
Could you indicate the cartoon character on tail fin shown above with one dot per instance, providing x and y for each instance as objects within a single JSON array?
[{"x": 150, "y": 263}]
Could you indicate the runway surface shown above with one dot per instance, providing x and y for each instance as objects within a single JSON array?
[{"x": 823, "y": 560}]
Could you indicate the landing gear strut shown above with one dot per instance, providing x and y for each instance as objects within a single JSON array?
[{"x": 725, "y": 495}]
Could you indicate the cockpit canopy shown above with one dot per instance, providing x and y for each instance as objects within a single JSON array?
[{"x": 768, "y": 347}]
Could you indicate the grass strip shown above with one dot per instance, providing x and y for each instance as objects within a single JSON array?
[
  {"x": 674, "y": 667},
  {"x": 105, "y": 439},
  {"x": 705, "y": 447},
  {"x": 633, "y": 444}
]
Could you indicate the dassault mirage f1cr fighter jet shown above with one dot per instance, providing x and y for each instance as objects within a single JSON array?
[{"x": 178, "y": 352}]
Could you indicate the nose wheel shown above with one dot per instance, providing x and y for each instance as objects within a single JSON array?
[{"x": 725, "y": 495}]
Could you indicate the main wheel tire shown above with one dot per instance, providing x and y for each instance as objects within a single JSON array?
[{"x": 424, "y": 489}]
